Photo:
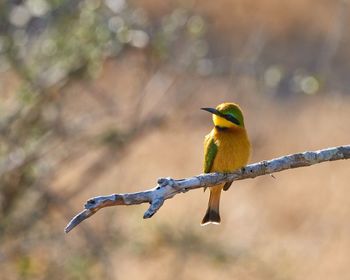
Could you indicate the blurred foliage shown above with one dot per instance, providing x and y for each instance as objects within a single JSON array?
[
  {"x": 49, "y": 45},
  {"x": 59, "y": 40}
]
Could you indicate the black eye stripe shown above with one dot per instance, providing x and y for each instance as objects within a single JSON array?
[{"x": 232, "y": 119}]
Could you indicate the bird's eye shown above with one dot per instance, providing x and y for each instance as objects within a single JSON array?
[{"x": 232, "y": 119}]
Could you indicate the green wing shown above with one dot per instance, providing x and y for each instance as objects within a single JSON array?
[{"x": 210, "y": 153}]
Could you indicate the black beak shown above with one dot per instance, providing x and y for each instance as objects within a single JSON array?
[
  {"x": 230, "y": 118},
  {"x": 213, "y": 111}
]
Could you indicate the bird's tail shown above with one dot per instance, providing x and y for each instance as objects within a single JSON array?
[{"x": 212, "y": 216}]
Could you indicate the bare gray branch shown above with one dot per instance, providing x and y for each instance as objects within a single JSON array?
[{"x": 168, "y": 187}]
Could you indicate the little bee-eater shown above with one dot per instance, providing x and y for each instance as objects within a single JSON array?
[{"x": 226, "y": 148}]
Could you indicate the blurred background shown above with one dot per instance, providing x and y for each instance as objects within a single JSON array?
[{"x": 103, "y": 96}]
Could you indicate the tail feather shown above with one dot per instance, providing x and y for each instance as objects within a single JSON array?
[{"x": 212, "y": 216}]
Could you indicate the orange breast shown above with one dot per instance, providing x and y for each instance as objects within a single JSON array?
[{"x": 233, "y": 149}]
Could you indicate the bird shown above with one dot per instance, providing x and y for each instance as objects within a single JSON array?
[{"x": 226, "y": 148}]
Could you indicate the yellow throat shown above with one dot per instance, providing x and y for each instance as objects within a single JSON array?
[{"x": 221, "y": 122}]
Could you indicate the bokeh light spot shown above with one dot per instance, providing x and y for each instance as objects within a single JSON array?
[
  {"x": 196, "y": 26},
  {"x": 273, "y": 76},
  {"x": 115, "y": 23},
  {"x": 139, "y": 38},
  {"x": 20, "y": 16},
  {"x": 309, "y": 85},
  {"x": 179, "y": 16},
  {"x": 116, "y": 5},
  {"x": 37, "y": 8}
]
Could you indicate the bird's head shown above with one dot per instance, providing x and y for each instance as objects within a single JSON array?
[{"x": 227, "y": 115}]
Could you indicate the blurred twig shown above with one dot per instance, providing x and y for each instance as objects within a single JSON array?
[{"x": 168, "y": 187}]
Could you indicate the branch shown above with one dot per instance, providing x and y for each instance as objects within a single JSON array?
[{"x": 168, "y": 187}]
